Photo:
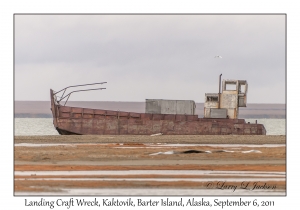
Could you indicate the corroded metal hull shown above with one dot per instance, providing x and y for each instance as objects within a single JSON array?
[{"x": 83, "y": 121}]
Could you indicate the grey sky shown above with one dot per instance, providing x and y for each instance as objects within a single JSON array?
[{"x": 149, "y": 56}]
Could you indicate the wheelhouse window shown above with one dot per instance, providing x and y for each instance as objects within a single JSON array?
[
  {"x": 212, "y": 98},
  {"x": 230, "y": 86}
]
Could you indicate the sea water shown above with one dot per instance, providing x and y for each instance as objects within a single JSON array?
[
  {"x": 34, "y": 126},
  {"x": 44, "y": 126}
]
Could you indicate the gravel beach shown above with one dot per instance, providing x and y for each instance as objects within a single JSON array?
[{"x": 171, "y": 139}]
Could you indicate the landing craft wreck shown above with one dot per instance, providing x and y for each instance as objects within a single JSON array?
[{"x": 170, "y": 117}]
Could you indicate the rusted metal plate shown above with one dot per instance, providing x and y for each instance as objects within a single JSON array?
[
  {"x": 157, "y": 117},
  {"x": 88, "y": 111},
  {"x": 169, "y": 117},
  {"x": 135, "y": 115},
  {"x": 168, "y": 125},
  {"x": 123, "y": 114},
  {"x": 111, "y": 113},
  {"x": 100, "y": 112},
  {"x": 76, "y": 110},
  {"x": 65, "y": 109}
]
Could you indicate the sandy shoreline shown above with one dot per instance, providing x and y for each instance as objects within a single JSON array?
[
  {"x": 169, "y": 162},
  {"x": 175, "y": 139}
]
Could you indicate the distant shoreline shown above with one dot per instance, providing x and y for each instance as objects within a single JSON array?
[
  {"x": 28, "y": 115},
  {"x": 41, "y": 109}
]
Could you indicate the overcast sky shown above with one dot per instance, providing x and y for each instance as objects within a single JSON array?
[{"x": 149, "y": 56}]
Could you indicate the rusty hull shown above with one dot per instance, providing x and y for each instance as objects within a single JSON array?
[{"x": 83, "y": 121}]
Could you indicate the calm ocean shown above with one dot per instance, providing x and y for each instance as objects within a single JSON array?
[{"x": 44, "y": 126}]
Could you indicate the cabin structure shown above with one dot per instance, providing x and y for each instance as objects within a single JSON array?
[
  {"x": 226, "y": 104},
  {"x": 162, "y": 106}
]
